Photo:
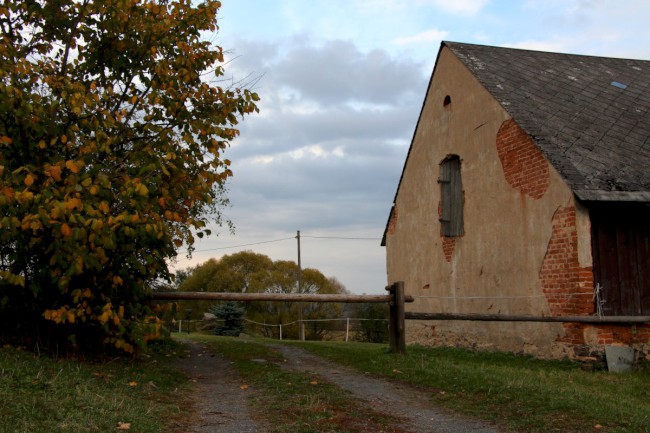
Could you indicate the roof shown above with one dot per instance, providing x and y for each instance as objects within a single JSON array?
[{"x": 590, "y": 116}]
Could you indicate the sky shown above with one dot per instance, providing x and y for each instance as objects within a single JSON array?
[{"x": 342, "y": 84}]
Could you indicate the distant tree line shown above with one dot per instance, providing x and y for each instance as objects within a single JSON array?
[{"x": 249, "y": 272}]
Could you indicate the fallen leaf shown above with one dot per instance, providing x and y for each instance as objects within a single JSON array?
[
  {"x": 243, "y": 387},
  {"x": 123, "y": 425},
  {"x": 133, "y": 383},
  {"x": 396, "y": 370},
  {"x": 313, "y": 382},
  {"x": 598, "y": 427}
]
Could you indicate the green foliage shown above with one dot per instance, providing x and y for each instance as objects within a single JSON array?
[
  {"x": 112, "y": 128},
  {"x": 230, "y": 319},
  {"x": 374, "y": 327},
  {"x": 248, "y": 272}
]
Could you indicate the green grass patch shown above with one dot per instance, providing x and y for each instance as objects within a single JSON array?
[
  {"x": 293, "y": 402},
  {"x": 521, "y": 393},
  {"x": 40, "y": 394}
]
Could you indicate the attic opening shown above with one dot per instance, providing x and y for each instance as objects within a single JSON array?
[
  {"x": 451, "y": 197},
  {"x": 446, "y": 102}
]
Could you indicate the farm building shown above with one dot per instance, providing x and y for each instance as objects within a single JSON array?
[{"x": 526, "y": 191}]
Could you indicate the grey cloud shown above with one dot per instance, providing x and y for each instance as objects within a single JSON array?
[
  {"x": 332, "y": 74},
  {"x": 338, "y": 72}
]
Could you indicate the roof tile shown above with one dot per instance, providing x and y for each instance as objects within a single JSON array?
[{"x": 596, "y": 134}]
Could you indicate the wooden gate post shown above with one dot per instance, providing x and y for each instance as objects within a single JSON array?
[{"x": 397, "y": 334}]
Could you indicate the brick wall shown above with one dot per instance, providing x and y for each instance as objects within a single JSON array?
[
  {"x": 448, "y": 243},
  {"x": 567, "y": 286},
  {"x": 524, "y": 166}
]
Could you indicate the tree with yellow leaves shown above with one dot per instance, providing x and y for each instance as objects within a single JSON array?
[{"x": 113, "y": 121}]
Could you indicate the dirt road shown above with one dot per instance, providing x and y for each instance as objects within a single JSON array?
[{"x": 220, "y": 407}]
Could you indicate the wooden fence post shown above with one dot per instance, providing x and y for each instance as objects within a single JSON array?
[{"x": 397, "y": 333}]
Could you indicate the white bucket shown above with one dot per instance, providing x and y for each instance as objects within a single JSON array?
[{"x": 619, "y": 358}]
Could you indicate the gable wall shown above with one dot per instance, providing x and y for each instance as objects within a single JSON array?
[{"x": 526, "y": 247}]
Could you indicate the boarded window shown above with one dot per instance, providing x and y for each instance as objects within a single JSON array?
[{"x": 451, "y": 197}]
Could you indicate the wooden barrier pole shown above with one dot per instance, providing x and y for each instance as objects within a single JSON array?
[
  {"x": 397, "y": 334},
  {"x": 391, "y": 319},
  {"x": 524, "y": 318},
  {"x": 281, "y": 297},
  {"x": 400, "y": 328}
]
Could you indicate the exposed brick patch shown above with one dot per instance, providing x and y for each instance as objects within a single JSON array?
[
  {"x": 392, "y": 222},
  {"x": 524, "y": 166},
  {"x": 448, "y": 244},
  {"x": 567, "y": 286},
  {"x": 620, "y": 334}
]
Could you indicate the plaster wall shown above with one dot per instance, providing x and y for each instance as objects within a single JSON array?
[{"x": 501, "y": 265}]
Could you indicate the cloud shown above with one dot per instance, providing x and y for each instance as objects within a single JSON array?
[
  {"x": 538, "y": 45},
  {"x": 432, "y": 35},
  {"x": 337, "y": 72},
  {"x": 325, "y": 154},
  {"x": 460, "y": 7}
]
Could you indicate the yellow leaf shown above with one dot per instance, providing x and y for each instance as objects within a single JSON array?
[
  {"x": 142, "y": 190},
  {"x": 123, "y": 425},
  {"x": 94, "y": 190},
  {"x": 54, "y": 172},
  {"x": 66, "y": 231},
  {"x": 134, "y": 99},
  {"x": 42, "y": 144},
  {"x": 71, "y": 317},
  {"x": 64, "y": 139},
  {"x": 133, "y": 383},
  {"x": 243, "y": 387},
  {"x": 72, "y": 166},
  {"x": 29, "y": 180}
]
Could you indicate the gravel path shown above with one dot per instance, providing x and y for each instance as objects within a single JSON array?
[
  {"x": 220, "y": 406},
  {"x": 407, "y": 403}
]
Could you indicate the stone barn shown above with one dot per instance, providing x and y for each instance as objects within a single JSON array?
[{"x": 526, "y": 191}]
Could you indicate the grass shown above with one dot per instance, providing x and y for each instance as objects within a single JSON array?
[
  {"x": 40, "y": 394},
  {"x": 293, "y": 402},
  {"x": 521, "y": 393}
]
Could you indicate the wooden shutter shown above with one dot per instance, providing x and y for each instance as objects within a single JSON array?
[{"x": 451, "y": 197}]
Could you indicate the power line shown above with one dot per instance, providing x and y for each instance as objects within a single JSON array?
[
  {"x": 242, "y": 245},
  {"x": 284, "y": 239}
]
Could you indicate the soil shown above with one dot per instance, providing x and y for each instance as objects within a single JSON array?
[
  {"x": 219, "y": 406},
  {"x": 217, "y": 403}
]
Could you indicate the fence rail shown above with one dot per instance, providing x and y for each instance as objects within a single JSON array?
[
  {"x": 525, "y": 318},
  {"x": 395, "y": 299}
]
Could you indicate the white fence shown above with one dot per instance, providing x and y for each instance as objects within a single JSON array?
[{"x": 189, "y": 325}]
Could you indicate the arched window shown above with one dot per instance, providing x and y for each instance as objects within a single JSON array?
[{"x": 451, "y": 197}]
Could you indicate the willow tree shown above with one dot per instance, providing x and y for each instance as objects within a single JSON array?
[{"x": 113, "y": 118}]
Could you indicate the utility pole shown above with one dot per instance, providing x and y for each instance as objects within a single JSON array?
[{"x": 301, "y": 326}]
